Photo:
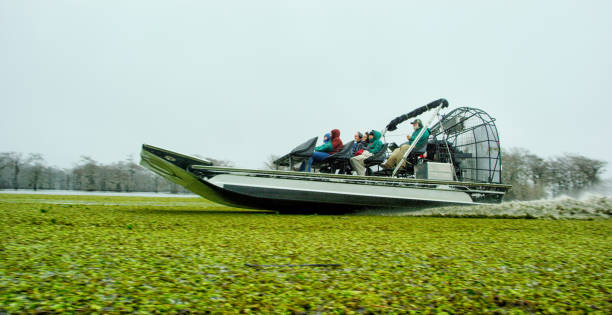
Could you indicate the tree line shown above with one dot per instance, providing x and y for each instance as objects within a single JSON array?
[
  {"x": 531, "y": 176},
  {"x": 19, "y": 171}
]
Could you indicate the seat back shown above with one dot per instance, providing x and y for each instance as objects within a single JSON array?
[
  {"x": 379, "y": 157},
  {"x": 344, "y": 154},
  {"x": 305, "y": 149},
  {"x": 336, "y": 161},
  {"x": 299, "y": 153}
]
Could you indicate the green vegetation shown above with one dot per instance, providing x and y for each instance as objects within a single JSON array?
[{"x": 135, "y": 254}]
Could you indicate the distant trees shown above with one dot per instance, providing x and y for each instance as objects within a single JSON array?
[
  {"x": 36, "y": 163},
  {"x": 533, "y": 177},
  {"x": 4, "y": 162},
  {"x": 31, "y": 172},
  {"x": 572, "y": 172},
  {"x": 12, "y": 162}
]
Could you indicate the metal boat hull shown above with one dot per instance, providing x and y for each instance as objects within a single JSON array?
[{"x": 282, "y": 190}]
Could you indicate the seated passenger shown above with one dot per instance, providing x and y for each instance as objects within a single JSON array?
[
  {"x": 374, "y": 146},
  {"x": 358, "y": 144},
  {"x": 420, "y": 147},
  {"x": 336, "y": 142},
  {"x": 366, "y": 138},
  {"x": 331, "y": 144}
]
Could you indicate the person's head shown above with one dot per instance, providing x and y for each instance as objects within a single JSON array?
[
  {"x": 326, "y": 137},
  {"x": 416, "y": 124},
  {"x": 374, "y": 135},
  {"x": 371, "y": 136},
  {"x": 335, "y": 133},
  {"x": 366, "y": 136},
  {"x": 358, "y": 136}
]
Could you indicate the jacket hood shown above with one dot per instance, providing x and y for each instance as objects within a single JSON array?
[
  {"x": 328, "y": 138},
  {"x": 377, "y": 134},
  {"x": 335, "y": 133}
]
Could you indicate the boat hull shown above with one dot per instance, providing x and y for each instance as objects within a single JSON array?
[{"x": 298, "y": 191}]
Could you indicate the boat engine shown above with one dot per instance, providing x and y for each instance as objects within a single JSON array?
[{"x": 467, "y": 137}]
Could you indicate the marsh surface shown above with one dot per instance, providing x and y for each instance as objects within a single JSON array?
[{"x": 130, "y": 254}]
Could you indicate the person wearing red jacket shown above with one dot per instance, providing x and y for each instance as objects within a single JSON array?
[
  {"x": 326, "y": 149},
  {"x": 336, "y": 141}
]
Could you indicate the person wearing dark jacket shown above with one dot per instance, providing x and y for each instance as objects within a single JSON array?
[
  {"x": 358, "y": 144},
  {"x": 331, "y": 144},
  {"x": 375, "y": 145},
  {"x": 366, "y": 139}
]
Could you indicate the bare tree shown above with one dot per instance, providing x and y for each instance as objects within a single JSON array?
[
  {"x": 85, "y": 174},
  {"x": 532, "y": 177},
  {"x": 4, "y": 160},
  {"x": 37, "y": 166},
  {"x": 15, "y": 161},
  {"x": 4, "y": 165},
  {"x": 536, "y": 168},
  {"x": 518, "y": 171},
  {"x": 572, "y": 173}
]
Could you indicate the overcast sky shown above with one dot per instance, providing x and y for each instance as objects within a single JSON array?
[{"x": 240, "y": 80}]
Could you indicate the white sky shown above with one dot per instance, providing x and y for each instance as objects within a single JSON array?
[{"x": 240, "y": 80}]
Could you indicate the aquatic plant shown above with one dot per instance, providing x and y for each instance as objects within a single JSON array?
[{"x": 186, "y": 255}]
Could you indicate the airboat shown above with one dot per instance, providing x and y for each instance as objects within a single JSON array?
[{"x": 461, "y": 165}]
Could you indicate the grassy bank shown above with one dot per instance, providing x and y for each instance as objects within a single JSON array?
[{"x": 118, "y": 254}]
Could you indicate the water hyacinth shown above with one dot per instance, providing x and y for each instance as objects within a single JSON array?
[{"x": 140, "y": 255}]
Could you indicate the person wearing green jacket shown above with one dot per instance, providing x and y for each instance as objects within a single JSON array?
[
  {"x": 326, "y": 146},
  {"x": 419, "y": 148},
  {"x": 331, "y": 144},
  {"x": 375, "y": 145}
]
